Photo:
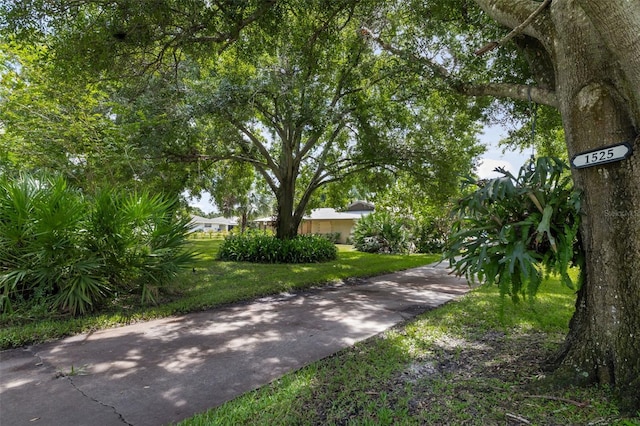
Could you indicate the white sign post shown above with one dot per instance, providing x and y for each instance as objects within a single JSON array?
[{"x": 608, "y": 154}]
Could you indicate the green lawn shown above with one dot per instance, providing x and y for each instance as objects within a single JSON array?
[
  {"x": 211, "y": 283},
  {"x": 469, "y": 362}
]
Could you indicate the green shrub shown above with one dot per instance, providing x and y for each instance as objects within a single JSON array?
[
  {"x": 42, "y": 256},
  {"x": 308, "y": 249},
  {"x": 260, "y": 247},
  {"x": 430, "y": 236},
  {"x": 140, "y": 239},
  {"x": 334, "y": 237},
  {"x": 60, "y": 249},
  {"x": 380, "y": 232},
  {"x": 511, "y": 230}
]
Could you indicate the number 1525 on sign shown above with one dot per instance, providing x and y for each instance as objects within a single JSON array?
[{"x": 608, "y": 154}]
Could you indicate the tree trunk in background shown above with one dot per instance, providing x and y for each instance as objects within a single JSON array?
[{"x": 287, "y": 221}]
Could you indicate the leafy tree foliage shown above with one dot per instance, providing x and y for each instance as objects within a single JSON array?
[
  {"x": 48, "y": 123},
  {"x": 79, "y": 127},
  {"x": 304, "y": 102},
  {"x": 541, "y": 134},
  {"x": 314, "y": 109},
  {"x": 129, "y": 37}
]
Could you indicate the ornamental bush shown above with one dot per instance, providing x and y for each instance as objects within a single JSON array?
[
  {"x": 67, "y": 252},
  {"x": 380, "y": 232},
  {"x": 260, "y": 247},
  {"x": 430, "y": 235}
]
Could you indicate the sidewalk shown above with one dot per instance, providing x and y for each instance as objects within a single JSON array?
[{"x": 163, "y": 371}]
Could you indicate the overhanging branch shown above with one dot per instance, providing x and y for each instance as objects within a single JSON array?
[
  {"x": 520, "y": 92},
  {"x": 517, "y": 30},
  {"x": 523, "y": 16}
]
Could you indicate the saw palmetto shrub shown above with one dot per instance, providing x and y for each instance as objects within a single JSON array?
[
  {"x": 67, "y": 252},
  {"x": 512, "y": 230},
  {"x": 260, "y": 247},
  {"x": 381, "y": 232},
  {"x": 140, "y": 239},
  {"x": 43, "y": 258}
]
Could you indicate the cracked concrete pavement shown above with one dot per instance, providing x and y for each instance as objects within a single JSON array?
[{"x": 163, "y": 371}]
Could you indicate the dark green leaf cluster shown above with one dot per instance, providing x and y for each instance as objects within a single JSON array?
[
  {"x": 73, "y": 253},
  {"x": 127, "y": 37},
  {"x": 430, "y": 236},
  {"x": 381, "y": 232},
  {"x": 259, "y": 247},
  {"x": 511, "y": 230}
]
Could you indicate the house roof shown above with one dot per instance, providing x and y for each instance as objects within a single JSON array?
[
  {"x": 220, "y": 220},
  {"x": 331, "y": 214},
  {"x": 358, "y": 209},
  {"x": 268, "y": 219},
  {"x": 360, "y": 206}
]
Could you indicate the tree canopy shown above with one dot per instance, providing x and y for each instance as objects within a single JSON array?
[{"x": 306, "y": 102}]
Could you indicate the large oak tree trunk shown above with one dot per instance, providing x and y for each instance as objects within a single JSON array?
[
  {"x": 287, "y": 220},
  {"x": 594, "y": 48},
  {"x": 603, "y": 344}
]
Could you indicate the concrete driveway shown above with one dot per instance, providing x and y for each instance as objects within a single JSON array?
[{"x": 163, "y": 371}]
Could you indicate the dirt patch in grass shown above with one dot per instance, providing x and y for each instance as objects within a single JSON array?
[{"x": 493, "y": 378}]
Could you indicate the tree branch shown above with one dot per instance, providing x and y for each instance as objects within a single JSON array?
[
  {"x": 517, "y": 30},
  {"x": 271, "y": 117},
  {"x": 520, "y": 92},
  {"x": 514, "y": 13},
  {"x": 260, "y": 146},
  {"x": 325, "y": 151},
  {"x": 502, "y": 90},
  {"x": 232, "y": 36}
]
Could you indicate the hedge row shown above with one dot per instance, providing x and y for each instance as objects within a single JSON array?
[{"x": 260, "y": 247}]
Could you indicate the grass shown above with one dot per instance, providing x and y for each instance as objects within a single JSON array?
[
  {"x": 211, "y": 283},
  {"x": 468, "y": 362}
]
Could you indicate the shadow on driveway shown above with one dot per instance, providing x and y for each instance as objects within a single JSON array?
[{"x": 163, "y": 371}]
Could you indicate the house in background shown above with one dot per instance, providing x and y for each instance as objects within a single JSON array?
[
  {"x": 217, "y": 224},
  {"x": 329, "y": 221}
]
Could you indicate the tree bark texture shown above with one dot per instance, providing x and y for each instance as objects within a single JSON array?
[
  {"x": 289, "y": 209},
  {"x": 595, "y": 49},
  {"x": 286, "y": 223}
]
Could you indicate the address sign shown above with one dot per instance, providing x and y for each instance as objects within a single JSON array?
[{"x": 608, "y": 154}]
